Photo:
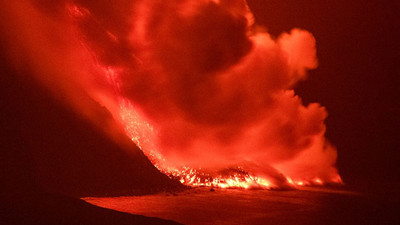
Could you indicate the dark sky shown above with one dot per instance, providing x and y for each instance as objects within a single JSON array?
[{"x": 357, "y": 79}]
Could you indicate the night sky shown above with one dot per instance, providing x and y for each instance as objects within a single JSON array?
[{"x": 357, "y": 78}]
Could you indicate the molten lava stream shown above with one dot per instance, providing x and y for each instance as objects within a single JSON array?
[{"x": 215, "y": 91}]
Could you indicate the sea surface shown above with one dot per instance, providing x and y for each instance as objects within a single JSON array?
[{"x": 204, "y": 206}]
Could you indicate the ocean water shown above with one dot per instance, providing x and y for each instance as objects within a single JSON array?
[{"x": 202, "y": 206}]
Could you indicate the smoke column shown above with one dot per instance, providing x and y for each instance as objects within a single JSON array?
[{"x": 194, "y": 83}]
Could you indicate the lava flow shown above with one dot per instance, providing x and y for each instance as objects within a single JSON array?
[
  {"x": 215, "y": 94},
  {"x": 206, "y": 93}
]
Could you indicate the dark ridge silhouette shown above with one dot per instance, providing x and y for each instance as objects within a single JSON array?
[
  {"x": 49, "y": 153},
  {"x": 68, "y": 154}
]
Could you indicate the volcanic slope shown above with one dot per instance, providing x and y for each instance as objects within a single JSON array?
[{"x": 48, "y": 153}]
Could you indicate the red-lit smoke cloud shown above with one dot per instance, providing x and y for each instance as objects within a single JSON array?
[{"x": 213, "y": 89}]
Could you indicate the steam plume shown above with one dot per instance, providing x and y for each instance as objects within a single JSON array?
[{"x": 194, "y": 82}]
